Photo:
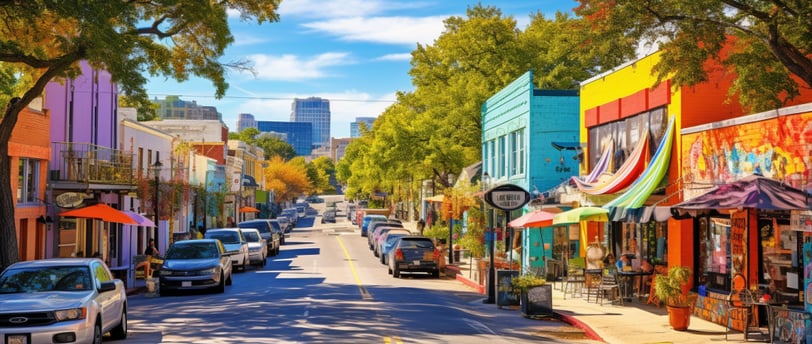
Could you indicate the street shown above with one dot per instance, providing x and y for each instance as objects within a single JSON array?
[{"x": 326, "y": 286}]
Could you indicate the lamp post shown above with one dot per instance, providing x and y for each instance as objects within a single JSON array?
[
  {"x": 486, "y": 181},
  {"x": 156, "y": 170}
]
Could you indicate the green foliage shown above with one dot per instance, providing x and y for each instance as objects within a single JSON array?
[
  {"x": 436, "y": 231},
  {"x": 763, "y": 44},
  {"x": 668, "y": 287}
]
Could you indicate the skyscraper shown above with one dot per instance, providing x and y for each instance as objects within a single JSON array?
[
  {"x": 298, "y": 135},
  {"x": 245, "y": 121},
  {"x": 316, "y": 111},
  {"x": 355, "y": 128}
]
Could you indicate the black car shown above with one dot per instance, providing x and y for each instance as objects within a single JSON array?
[
  {"x": 195, "y": 264},
  {"x": 329, "y": 215}
]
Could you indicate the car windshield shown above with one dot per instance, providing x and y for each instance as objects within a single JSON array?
[
  {"x": 45, "y": 278},
  {"x": 251, "y": 236},
  {"x": 390, "y": 240},
  {"x": 192, "y": 251},
  {"x": 225, "y": 237}
]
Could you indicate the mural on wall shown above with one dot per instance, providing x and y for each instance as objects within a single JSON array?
[{"x": 778, "y": 148}]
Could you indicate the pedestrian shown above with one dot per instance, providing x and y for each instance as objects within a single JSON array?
[
  {"x": 150, "y": 252},
  {"x": 420, "y": 226}
]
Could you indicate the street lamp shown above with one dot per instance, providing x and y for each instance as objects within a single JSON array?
[
  {"x": 486, "y": 181},
  {"x": 156, "y": 170}
]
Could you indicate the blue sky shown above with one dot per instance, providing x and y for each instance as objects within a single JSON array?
[{"x": 353, "y": 52}]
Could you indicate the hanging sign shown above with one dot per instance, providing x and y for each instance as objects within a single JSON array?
[{"x": 507, "y": 197}]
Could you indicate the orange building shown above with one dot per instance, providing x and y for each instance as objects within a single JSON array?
[{"x": 29, "y": 150}]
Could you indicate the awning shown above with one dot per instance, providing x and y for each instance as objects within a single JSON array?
[
  {"x": 100, "y": 211},
  {"x": 538, "y": 218},
  {"x": 640, "y": 215},
  {"x": 247, "y": 209},
  {"x": 581, "y": 214},
  {"x": 644, "y": 186},
  {"x": 141, "y": 219},
  {"x": 753, "y": 191},
  {"x": 566, "y": 145},
  {"x": 600, "y": 167},
  {"x": 624, "y": 176},
  {"x": 435, "y": 199},
  {"x": 249, "y": 181}
]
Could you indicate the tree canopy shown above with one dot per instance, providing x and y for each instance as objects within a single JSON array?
[
  {"x": 435, "y": 130},
  {"x": 765, "y": 44},
  {"x": 42, "y": 41}
]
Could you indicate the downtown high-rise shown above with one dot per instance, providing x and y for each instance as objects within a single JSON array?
[{"x": 316, "y": 111}]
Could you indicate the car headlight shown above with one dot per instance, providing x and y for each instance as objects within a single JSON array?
[
  {"x": 211, "y": 271},
  {"x": 255, "y": 249},
  {"x": 165, "y": 272},
  {"x": 71, "y": 314}
]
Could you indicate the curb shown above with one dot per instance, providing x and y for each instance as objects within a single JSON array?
[
  {"x": 588, "y": 331},
  {"x": 476, "y": 286}
]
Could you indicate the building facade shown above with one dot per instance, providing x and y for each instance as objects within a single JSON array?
[
  {"x": 172, "y": 107},
  {"x": 355, "y": 127},
  {"x": 298, "y": 134},
  {"x": 316, "y": 111},
  {"x": 245, "y": 121}
]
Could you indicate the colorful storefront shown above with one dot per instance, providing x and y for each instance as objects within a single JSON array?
[{"x": 756, "y": 221}]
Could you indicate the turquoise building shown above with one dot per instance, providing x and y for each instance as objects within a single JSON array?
[{"x": 530, "y": 139}]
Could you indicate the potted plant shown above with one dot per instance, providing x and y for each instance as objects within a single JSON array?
[
  {"x": 670, "y": 288},
  {"x": 531, "y": 290}
]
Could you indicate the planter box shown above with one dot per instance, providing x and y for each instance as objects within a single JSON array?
[{"x": 537, "y": 301}]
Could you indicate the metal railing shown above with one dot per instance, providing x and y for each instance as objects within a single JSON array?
[{"x": 89, "y": 163}]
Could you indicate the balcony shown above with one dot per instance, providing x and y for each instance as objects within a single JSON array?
[{"x": 87, "y": 164}]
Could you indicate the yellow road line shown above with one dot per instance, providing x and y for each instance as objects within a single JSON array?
[
  {"x": 392, "y": 340},
  {"x": 364, "y": 293}
]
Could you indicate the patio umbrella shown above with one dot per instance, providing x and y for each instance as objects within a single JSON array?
[
  {"x": 247, "y": 209},
  {"x": 100, "y": 211},
  {"x": 141, "y": 219},
  {"x": 581, "y": 214},
  {"x": 538, "y": 218}
]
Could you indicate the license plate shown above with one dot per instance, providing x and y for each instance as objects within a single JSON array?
[
  {"x": 17, "y": 339},
  {"x": 416, "y": 262},
  {"x": 186, "y": 284}
]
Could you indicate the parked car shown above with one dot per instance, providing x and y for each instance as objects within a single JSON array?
[
  {"x": 314, "y": 199},
  {"x": 284, "y": 223},
  {"x": 234, "y": 243},
  {"x": 351, "y": 212},
  {"x": 257, "y": 247},
  {"x": 382, "y": 234},
  {"x": 301, "y": 208},
  {"x": 413, "y": 254},
  {"x": 269, "y": 230},
  {"x": 293, "y": 215},
  {"x": 329, "y": 215},
  {"x": 67, "y": 300},
  {"x": 195, "y": 264},
  {"x": 388, "y": 243},
  {"x": 374, "y": 226},
  {"x": 365, "y": 222}
]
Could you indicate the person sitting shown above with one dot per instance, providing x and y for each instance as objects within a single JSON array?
[
  {"x": 150, "y": 252},
  {"x": 623, "y": 263}
]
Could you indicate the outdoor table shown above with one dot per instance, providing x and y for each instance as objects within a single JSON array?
[
  {"x": 626, "y": 282},
  {"x": 592, "y": 281}
]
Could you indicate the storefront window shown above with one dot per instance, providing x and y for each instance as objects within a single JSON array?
[
  {"x": 655, "y": 244},
  {"x": 780, "y": 247},
  {"x": 714, "y": 252}
]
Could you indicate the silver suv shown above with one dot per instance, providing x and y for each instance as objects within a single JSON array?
[{"x": 235, "y": 244}]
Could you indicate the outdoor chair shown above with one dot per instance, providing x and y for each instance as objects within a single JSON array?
[
  {"x": 574, "y": 280},
  {"x": 740, "y": 304},
  {"x": 609, "y": 287}
]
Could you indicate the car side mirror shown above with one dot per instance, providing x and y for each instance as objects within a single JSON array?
[{"x": 107, "y": 286}]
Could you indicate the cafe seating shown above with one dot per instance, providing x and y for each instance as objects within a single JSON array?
[
  {"x": 574, "y": 280},
  {"x": 740, "y": 304},
  {"x": 609, "y": 287}
]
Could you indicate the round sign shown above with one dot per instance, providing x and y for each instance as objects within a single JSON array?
[{"x": 507, "y": 197}]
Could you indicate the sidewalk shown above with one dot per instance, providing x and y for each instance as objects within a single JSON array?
[{"x": 632, "y": 323}]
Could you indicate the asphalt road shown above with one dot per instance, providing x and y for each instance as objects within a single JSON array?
[{"x": 326, "y": 286}]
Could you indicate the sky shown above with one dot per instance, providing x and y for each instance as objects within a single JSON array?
[{"x": 354, "y": 53}]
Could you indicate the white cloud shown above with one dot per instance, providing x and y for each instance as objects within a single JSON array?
[
  {"x": 293, "y": 68},
  {"x": 395, "y": 57},
  {"x": 389, "y": 30},
  {"x": 343, "y": 8}
]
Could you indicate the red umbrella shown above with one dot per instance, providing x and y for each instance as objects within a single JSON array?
[
  {"x": 102, "y": 212},
  {"x": 538, "y": 218}
]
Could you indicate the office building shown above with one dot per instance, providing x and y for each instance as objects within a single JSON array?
[
  {"x": 355, "y": 127},
  {"x": 172, "y": 107},
  {"x": 316, "y": 111},
  {"x": 298, "y": 134},
  {"x": 245, "y": 121}
]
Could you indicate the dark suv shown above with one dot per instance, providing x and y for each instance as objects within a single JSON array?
[{"x": 270, "y": 231}]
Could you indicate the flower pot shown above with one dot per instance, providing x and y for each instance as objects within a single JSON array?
[{"x": 679, "y": 317}]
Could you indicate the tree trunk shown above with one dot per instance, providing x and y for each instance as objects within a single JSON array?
[{"x": 8, "y": 227}]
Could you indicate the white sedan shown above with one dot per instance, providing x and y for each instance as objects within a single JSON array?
[{"x": 62, "y": 300}]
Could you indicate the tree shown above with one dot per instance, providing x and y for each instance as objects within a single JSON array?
[
  {"x": 42, "y": 41},
  {"x": 288, "y": 180},
  {"x": 320, "y": 171},
  {"x": 275, "y": 146},
  {"x": 765, "y": 44}
]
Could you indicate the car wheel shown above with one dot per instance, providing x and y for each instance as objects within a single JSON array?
[
  {"x": 120, "y": 331},
  {"x": 395, "y": 273},
  {"x": 97, "y": 335},
  {"x": 383, "y": 261},
  {"x": 221, "y": 288},
  {"x": 229, "y": 281},
  {"x": 435, "y": 274},
  {"x": 389, "y": 270}
]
